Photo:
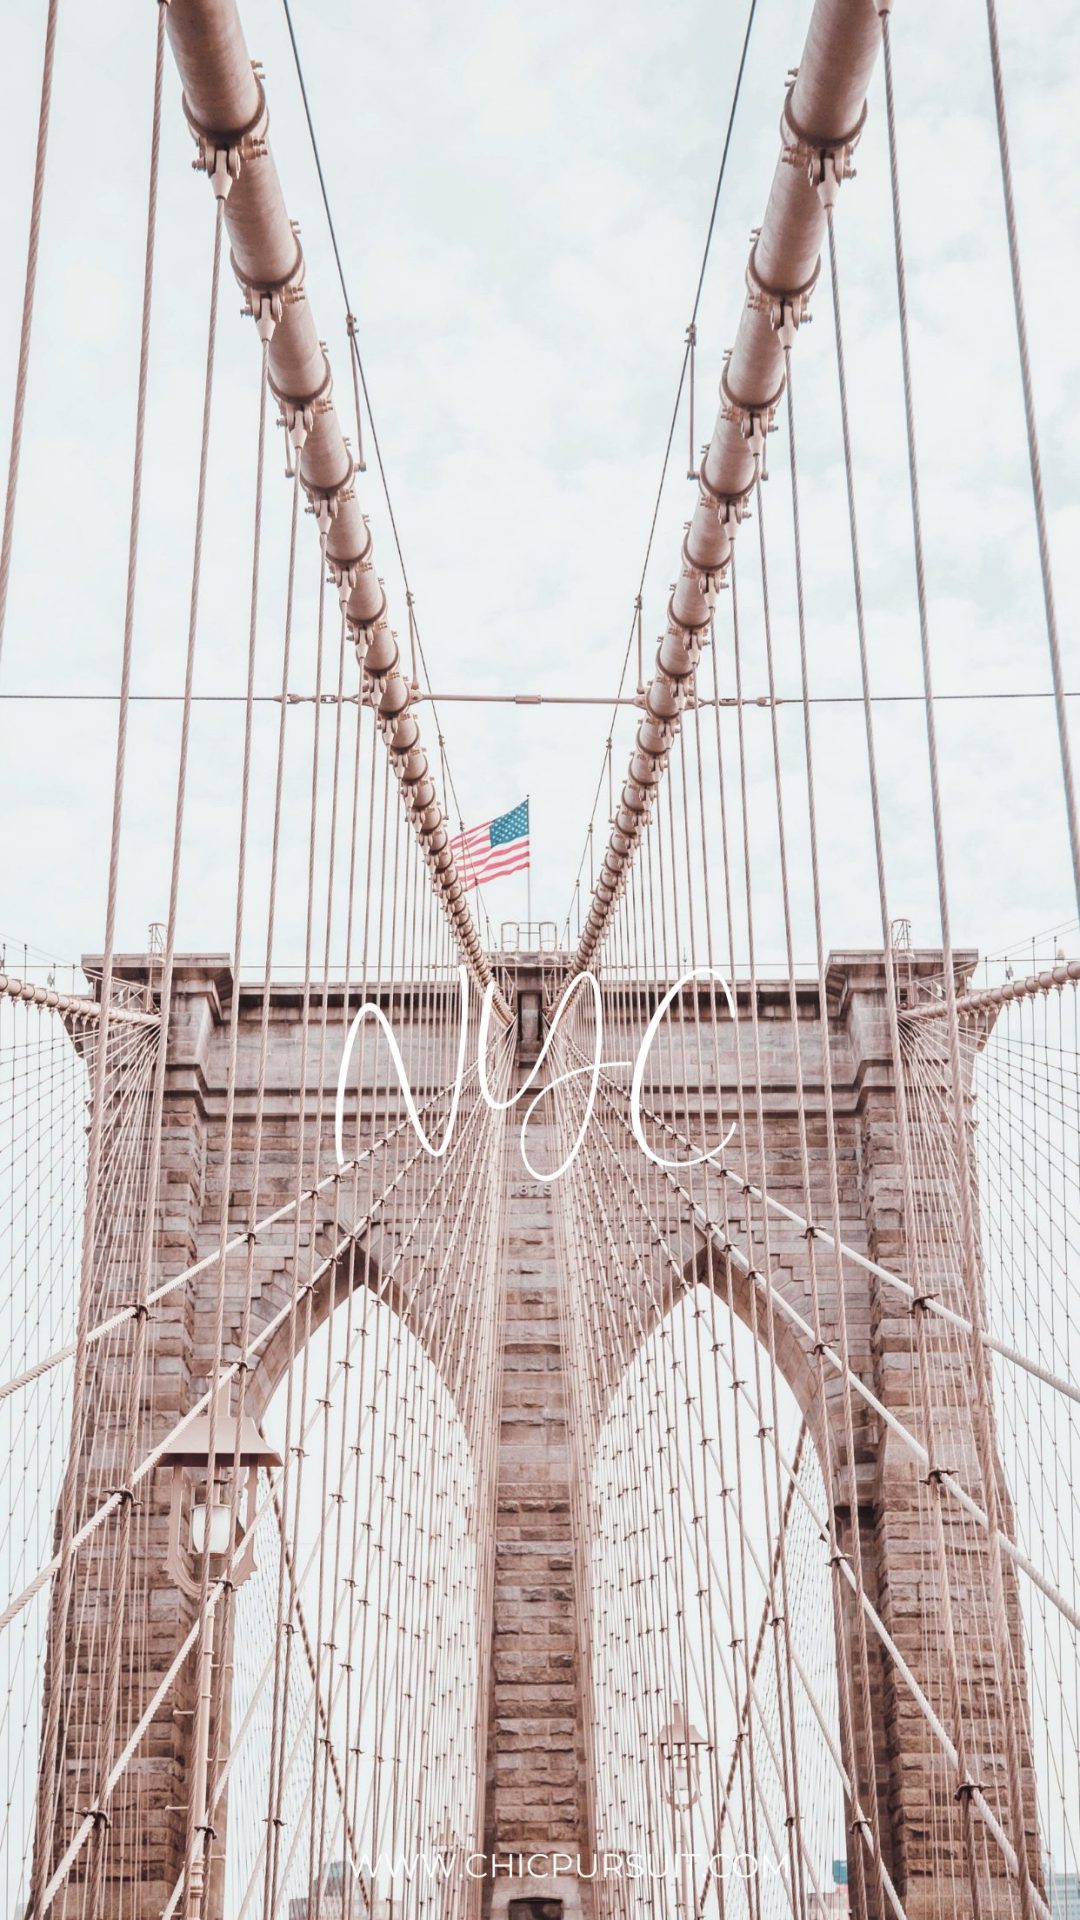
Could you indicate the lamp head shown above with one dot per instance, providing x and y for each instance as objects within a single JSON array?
[
  {"x": 679, "y": 1747},
  {"x": 237, "y": 1444}
]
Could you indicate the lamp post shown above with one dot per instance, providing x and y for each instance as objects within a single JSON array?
[
  {"x": 679, "y": 1746},
  {"x": 450, "y": 1849},
  {"x": 238, "y": 1446}
]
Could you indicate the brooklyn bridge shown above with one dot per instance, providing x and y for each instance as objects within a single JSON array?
[{"x": 541, "y": 1417}]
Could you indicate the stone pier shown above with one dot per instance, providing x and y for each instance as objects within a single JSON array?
[{"x": 536, "y": 1797}]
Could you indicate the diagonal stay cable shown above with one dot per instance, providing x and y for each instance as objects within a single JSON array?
[
  {"x": 354, "y": 350},
  {"x": 354, "y": 347},
  {"x": 670, "y": 441}
]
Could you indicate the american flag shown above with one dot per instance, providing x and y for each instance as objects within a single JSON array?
[{"x": 499, "y": 847}]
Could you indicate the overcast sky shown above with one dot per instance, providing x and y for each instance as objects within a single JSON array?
[{"x": 522, "y": 196}]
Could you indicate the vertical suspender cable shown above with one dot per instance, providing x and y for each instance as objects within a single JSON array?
[
  {"x": 1032, "y": 439},
  {"x": 62, "y": 1588},
  {"x": 984, "y": 1429},
  {"x": 822, "y": 119},
  {"x": 27, "y": 327},
  {"x": 136, "y": 1369}
]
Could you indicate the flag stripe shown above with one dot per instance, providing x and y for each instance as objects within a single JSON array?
[
  {"x": 498, "y": 847},
  {"x": 520, "y": 858},
  {"x": 475, "y": 873},
  {"x": 492, "y": 866}
]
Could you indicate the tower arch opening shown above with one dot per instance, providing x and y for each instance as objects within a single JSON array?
[
  {"x": 715, "y": 1722},
  {"x": 353, "y": 1730}
]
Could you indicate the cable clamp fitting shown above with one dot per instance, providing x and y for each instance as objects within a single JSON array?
[
  {"x": 935, "y": 1475},
  {"x": 221, "y": 155},
  {"x": 138, "y": 1309},
  {"x": 754, "y": 421},
  {"x": 732, "y": 512},
  {"x": 297, "y": 412},
  {"x": 266, "y": 300},
  {"x": 711, "y": 583},
  {"x": 731, "y": 509},
  {"x": 787, "y": 307},
  {"x": 102, "y": 1821},
  {"x": 968, "y": 1788},
  {"x": 719, "y": 502},
  {"x": 344, "y": 574},
  {"x": 827, "y": 163},
  {"x": 325, "y": 502}
]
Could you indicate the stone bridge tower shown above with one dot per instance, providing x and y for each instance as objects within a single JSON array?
[{"x": 536, "y": 1795}]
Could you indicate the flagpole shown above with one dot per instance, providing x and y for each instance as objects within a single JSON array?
[{"x": 528, "y": 870}]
